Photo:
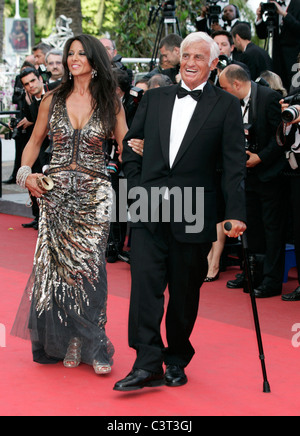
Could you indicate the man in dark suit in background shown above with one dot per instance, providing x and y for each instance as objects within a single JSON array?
[
  {"x": 184, "y": 135},
  {"x": 265, "y": 187},
  {"x": 256, "y": 58},
  {"x": 35, "y": 88},
  {"x": 286, "y": 41}
]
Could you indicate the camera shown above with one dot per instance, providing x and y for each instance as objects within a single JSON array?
[
  {"x": 137, "y": 94},
  {"x": 13, "y": 125},
  {"x": 272, "y": 17},
  {"x": 268, "y": 7},
  {"x": 250, "y": 142},
  {"x": 291, "y": 113},
  {"x": 214, "y": 11},
  {"x": 223, "y": 62},
  {"x": 169, "y": 8}
]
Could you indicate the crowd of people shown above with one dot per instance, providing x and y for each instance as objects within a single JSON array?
[{"x": 210, "y": 117}]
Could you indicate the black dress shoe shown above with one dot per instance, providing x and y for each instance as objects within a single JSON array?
[
  {"x": 175, "y": 376},
  {"x": 139, "y": 379},
  {"x": 33, "y": 225},
  {"x": 264, "y": 291},
  {"x": 238, "y": 283},
  {"x": 292, "y": 296},
  {"x": 124, "y": 256}
]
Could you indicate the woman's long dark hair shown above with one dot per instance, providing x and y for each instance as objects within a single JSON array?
[{"x": 102, "y": 87}]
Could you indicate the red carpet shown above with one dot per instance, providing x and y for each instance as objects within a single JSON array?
[{"x": 225, "y": 376}]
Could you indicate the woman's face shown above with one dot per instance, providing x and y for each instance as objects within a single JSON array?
[{"x": 77, "y": 61}]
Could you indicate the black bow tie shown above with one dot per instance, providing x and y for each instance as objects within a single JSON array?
[
  {"x": 242, "y": 102},
  {"x": 281, "y": 3},
  {"x": 182, "y": 92}
]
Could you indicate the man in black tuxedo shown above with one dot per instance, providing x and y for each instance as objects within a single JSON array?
[
  {"x": 256, "y": 58},
  {"x": 184, "y": 135},
  {"x": 286, "y": 41},
  {"x": 265, "y": 186},
  {"x": 35, "y": 89}
]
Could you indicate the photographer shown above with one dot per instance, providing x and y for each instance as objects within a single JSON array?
[
  {"x": 290, "y": 139},
  {"x": 286, "y": 42},
  {"x": 115, "y": 57},
  {"x": 118, "y": 229},
  {"x": 265, "y": 187},
  {"x": 20, "y": 134},
  {"x": 209, "y": 20},
  {"x": 35, "y": 90}
]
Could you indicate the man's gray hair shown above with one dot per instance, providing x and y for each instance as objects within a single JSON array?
[
  {"x": 198, "y": 37},
  {"x": 54, "y": 52}
]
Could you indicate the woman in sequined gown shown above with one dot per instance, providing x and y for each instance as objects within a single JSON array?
[{"x": 63, "y": 310}]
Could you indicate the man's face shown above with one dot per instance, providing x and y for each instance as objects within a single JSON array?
[
  {"x": 33, "y": 85},
  {"x": 195, "y": 64},
  {"x": 39, "y": 57},
  {"x": 224, "y": 45},
  {"x": 55, "y": 66},
  {"x": 111, "y": 51},
  {"x": 170, "y": 56},
  {"x": 229, "y": 13}
]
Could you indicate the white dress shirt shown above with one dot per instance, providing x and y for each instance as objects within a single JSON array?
[
  {"x": 182, "y": 113},
  {"x": 245, "y": 108}
]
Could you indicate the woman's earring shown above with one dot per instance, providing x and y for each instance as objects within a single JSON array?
[
  {"x": 70, "y": 75},
  {"x": 94, "y": 74}
]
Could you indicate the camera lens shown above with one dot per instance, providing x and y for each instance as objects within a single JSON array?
[{"x": 289, "y": 114}]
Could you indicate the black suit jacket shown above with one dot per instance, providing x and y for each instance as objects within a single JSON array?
[
  {"x": 286, "y": 43},
  {"x": 257, "y": 60},
  {"x": 215, "y": 129},
  {"x": 265, "y": 116}
]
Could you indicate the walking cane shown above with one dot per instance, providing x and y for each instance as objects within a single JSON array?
[{"x": 266, "y": 386}]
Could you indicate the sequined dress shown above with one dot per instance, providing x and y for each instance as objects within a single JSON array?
[{"x": 66, "y": 295}]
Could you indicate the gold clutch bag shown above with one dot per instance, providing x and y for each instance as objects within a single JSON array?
[{"x": 45, "y": 182}]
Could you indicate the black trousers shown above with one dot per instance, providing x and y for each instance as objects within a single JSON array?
[
  {"x": 295, "y": 206},
  {"x": 266, "y": 204},
  {"x": 159, "y": 261}
]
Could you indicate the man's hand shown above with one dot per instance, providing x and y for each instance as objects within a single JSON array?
[
  {"x": 24, "y": 123},
  {"x": 253, "y": 160},
  {"x": 285, "y": 106},
  {"x": 280, "y": 10},
  {"x": 237, "y": 228}
]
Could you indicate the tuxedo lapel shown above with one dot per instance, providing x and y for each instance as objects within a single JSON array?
[
  {"x": 165, "y": 117},
  {"x": 204, "y": 107}
]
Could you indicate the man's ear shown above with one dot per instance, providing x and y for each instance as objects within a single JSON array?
[
  {"x": 214, "y": 64},
  {"x": 177, "y": 51}
]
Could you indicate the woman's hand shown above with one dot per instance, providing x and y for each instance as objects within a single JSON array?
[
  {"x": 32, "y": 185},
  {"x": 137, "y": 146}
]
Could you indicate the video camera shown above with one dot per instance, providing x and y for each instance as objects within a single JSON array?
[
  {"x": 168, "y": 8},
  {"x": 272, "y": 18},
  {"x": 214, "y": 11},
  {"x": 291, "y": 113}
]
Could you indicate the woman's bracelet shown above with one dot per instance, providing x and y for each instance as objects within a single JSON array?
[{"x": 22, "y": 175}]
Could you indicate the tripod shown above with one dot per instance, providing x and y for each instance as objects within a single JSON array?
[
  {"x": 270, "y": 40},
  {"x": 266, "y": 386},
  {"x": 166, "y": 23}
]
